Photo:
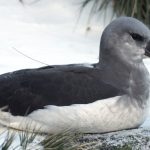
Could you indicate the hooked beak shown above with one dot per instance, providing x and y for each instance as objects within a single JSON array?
[{"x": 147, "y": 50}]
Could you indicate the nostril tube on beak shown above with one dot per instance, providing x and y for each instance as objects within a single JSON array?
[{"x": 147, "y": 49}]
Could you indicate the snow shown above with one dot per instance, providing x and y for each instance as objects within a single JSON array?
[
  {"x": 44, "y": 31},
  {"x": 49, "y": 32}
]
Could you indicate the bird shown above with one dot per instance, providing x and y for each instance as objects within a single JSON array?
[{"x": 107, "y": 96}]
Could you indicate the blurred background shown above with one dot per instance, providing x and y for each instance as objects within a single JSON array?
[{"x": 53, "y": 32}]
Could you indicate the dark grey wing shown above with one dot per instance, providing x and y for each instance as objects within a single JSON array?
[{"x": 27, "y": 90}]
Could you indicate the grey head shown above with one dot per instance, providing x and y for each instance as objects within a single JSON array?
[
  {"x": 124, "y": 44},
  {"x": 125, "y": 40}
]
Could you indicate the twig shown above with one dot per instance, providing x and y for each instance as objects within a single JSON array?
[{"x": 29, "y": 57}]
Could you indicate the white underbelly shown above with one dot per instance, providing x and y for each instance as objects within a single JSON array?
[{"x": 101, "y": 116}]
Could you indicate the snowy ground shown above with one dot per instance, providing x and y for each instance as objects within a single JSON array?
[{"x": 47, "y": 31}]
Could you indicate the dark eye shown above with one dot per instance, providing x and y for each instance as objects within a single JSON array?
[{"x": 137, "y": 37}]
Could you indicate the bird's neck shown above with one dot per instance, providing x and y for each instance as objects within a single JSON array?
[
  {"x": 114, "y": 73},
  {"x": 133, "y": 80},
  {"x": 139, "y": 83}
]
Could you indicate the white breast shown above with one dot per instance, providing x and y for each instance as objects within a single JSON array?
[{"x": 107, "y": 115}]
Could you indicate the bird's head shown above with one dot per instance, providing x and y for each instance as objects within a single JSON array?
[{"x": 125, "y": 39}]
